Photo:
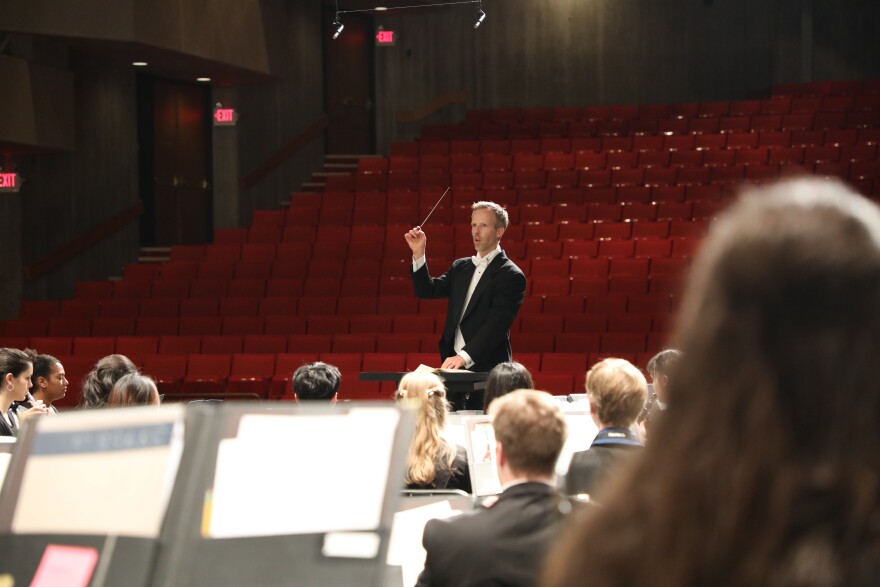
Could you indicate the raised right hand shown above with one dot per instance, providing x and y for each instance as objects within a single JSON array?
[{"x": 417, "y": 241}]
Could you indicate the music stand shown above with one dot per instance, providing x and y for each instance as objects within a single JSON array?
[{"x": 464, "y": 389}]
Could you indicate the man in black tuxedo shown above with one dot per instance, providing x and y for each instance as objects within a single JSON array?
[
  {"x": 485, "y": 292},
  {"x": 504, "y": 542},
  {"x": 617, "y": 392}
]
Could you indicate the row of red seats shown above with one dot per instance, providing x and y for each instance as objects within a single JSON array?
[
  {"x": 653, "y": 126},
  {"x": 785, "y": 99},
  {"x": 385, "y": 311},
  {"x": 718, "y": 171},
  {"x": 367, "y": 255},
  {"x": 363, "y": 202},
  {"x": 339, "y": 277},
  {"x": 537, "y": 223},
  {"x": 826, "y": 88},
  {"x": 744, "y": 149},
  {"x": 682, "y": 141},
  {"x": 531, "y": 333},
  {"x": 322, "y": 316},
  {"x": 609, "y": 204},
  {"x": 392, "y": 285},
  {"x": 571, "y": 239}
]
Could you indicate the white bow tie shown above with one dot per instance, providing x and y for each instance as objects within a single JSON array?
[{"x": 480, "y": 261}]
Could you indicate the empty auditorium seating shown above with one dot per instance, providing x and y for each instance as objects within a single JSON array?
[{"x": 608, "y": 205}]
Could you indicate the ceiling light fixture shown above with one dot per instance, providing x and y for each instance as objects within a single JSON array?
[
  {"x": 203, "y": 79},
  {"x": 482, "y": 17},
  {"x": 139, "y": 63}
]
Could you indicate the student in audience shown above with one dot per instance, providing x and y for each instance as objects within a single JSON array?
[
  {"x": 316, "y": 381},
  {"x": 134, "y": 389},
  {"x": 100, "y": 381},
  {"x": 16, "y": 367},
  {"x": 431, "y": 462},
  {"x": 659, "y": 368},
  {"x": 48, "y": 383},
  {"x": 766, "y": 467},
  {"x": 617, "y": 391},
  {"x": 504, "y": 543},
  {"x": 504, "y": 378}
]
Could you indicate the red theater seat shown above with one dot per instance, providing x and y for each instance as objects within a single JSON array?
[
  {"x": 167, "y": 371},
  {"x": 206, "y": 374},
  {"x": 251, "y": 374},
  {"x": 137, "y": 346}
]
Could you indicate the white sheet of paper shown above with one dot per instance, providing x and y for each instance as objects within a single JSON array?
[
  {"x": 296, "y": 474},
  {"x": 581, "y": 432},
  {"x": 113, "y": 478},
  {"x": 351, "y": 544},
  {"x": 4, "y": 465},
  {"x": 405, "y": 546}
]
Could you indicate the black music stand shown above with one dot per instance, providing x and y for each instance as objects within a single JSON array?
[{"x": 464, "y": 389}]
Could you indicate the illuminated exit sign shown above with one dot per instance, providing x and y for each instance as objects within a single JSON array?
[
  {"x": 9, "y": 182},
  {"x": 385, "y": 38},
  {"x": 225, "y": 117}
]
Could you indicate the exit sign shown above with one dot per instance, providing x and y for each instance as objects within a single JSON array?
[
  {"x": 225, "y": 117},
  {"x": 9, "y": 182},
  {"x": 385, "y": 38}
]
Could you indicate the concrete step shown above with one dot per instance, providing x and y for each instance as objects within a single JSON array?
[{"x": 313, "y": 186}]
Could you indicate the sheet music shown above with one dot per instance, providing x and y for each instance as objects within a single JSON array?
[
  {"x": 101, "y": 472},
  {"x": 297, "y": 474},
  {"x": 405, "y": 547}
]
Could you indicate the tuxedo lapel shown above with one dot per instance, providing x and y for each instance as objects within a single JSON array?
[
  {"x": 484, "y": 282},
  {"x": 460, "y": 288}
]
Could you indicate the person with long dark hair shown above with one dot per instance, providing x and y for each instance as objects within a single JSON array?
[
  {"x": 766, "y": 466},
  {"x": 134, "y": 389},
  {"x": 48, "y": 383},
  {"x": 98, "y": 384},
  {"x": 504, "y": 378},
  {"x": 16, "y": 367}
]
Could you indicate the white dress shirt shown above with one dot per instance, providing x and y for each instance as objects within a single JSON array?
[{"x": 481, "y": 264}]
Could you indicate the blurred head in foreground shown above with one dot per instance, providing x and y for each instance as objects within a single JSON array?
[{"x": 767, "y": 471}]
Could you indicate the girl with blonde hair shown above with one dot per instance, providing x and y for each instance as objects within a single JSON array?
[{"x": 431, "y": 462}]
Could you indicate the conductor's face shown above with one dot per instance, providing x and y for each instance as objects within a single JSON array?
[{"x": 483, "y": 231}]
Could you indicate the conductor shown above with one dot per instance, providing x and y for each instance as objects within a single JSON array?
[{"x": 485, "y": 292}]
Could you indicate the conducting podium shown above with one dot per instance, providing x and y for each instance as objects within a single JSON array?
[{"x": 464, "y": 389}]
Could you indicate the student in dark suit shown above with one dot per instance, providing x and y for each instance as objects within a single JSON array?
[
  {"x": 504, "y": 543},
  {"x": 485, "y": 293},
  {"x": 617, "y": 393}
]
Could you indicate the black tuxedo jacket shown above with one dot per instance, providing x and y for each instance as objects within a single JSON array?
[
  {"x": 500, "y": 546},
  {"x": 592, "y": 468},
  {"x": 486, "y": 322}
]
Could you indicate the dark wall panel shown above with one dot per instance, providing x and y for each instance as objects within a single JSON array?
[
  {"x": 69, "y": 193},
  {"x": 571, "y": 52},
  {"x": 271, "y": 115}
]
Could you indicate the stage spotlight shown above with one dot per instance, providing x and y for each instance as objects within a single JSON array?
[
  {"x": 480, "y": 19},
  {"x": 339, "y": 26}
]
